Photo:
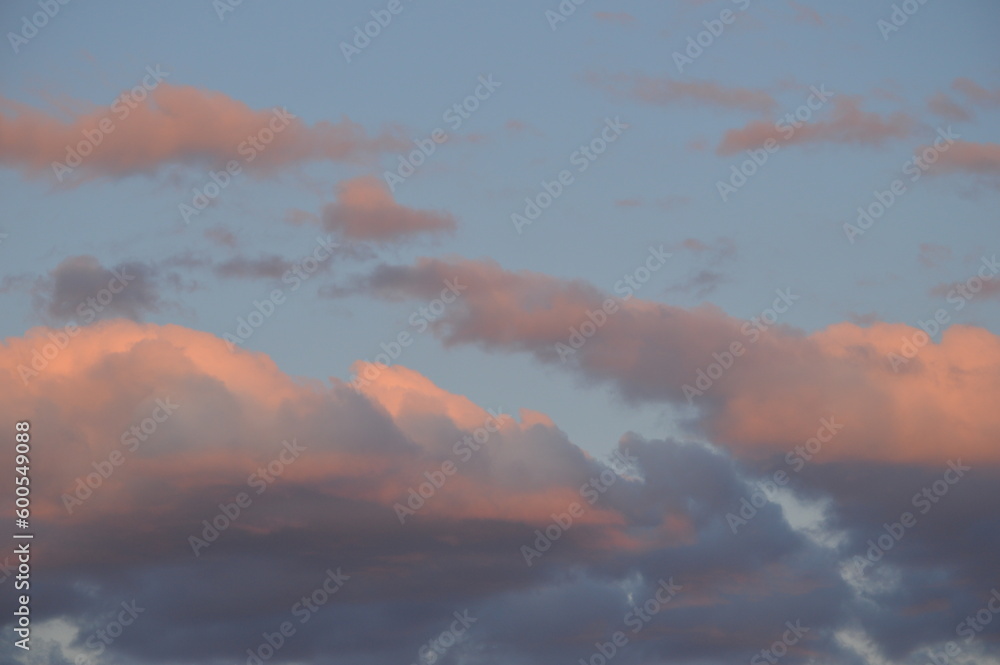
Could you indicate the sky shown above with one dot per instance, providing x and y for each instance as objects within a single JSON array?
[{"x": 403, "y": 332}]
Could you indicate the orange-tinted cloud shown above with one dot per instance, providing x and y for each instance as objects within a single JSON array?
[
  {"x": 847, "y": 124},
  {"x": 770, "y": 398},
  {"x": 175, "y": 125},
  {"x": 236, "y": 417},
  {"x": 979, "y": 158},
  {"x": 370, "y": 446},
  {"x": 366, "y": 210}
]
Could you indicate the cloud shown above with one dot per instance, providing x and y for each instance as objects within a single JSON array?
[
  {"x": 988, "y": 289},
  {"x": 772, "y": 394},
  {"x": 943, "y": 105},
  {"x": 81, "y": 289},
  {"x": 177, "y": 125},
  {"x": 932, "y": 255},
  {"x": 366, "y": 210},
  {"x": 717, "y": 251},
  {"x": 230, "y": 416},
  {"x": 976, "y": 93},
  {"x": 806, "y": 14},
  {"x": 665, "y": 91},
  {"x": 848, "y": 124},
  {"x": 970, "y": 157},
  {"x": 333, "y": 508},
  {"x": 269, "y": 266},
  {"x": 622, "y": 18},
  {"x": 222, "y": 236},
  {"x": 701, "y": 284}
]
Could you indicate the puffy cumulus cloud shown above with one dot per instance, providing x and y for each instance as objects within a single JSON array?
[
  {"x": 220, "y": 422},
  {"x": 938, "y": 572},
  {"x": 665, "y": 91},
  {"x": 176, "y": 125},
  {"x": 366, "y": 210},
  {"x": 848, "y": 123},
  {"x": 765, "y": 400}
]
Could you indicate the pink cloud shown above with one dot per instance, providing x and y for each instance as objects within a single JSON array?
[
  {"x": 770, "y": 397},
  {"x": 366, "y": 210},
  {"x": 175, "y": 125},
  {"x": 944, "y": 106},
  {"x": 976, "y": 93},
  {"x": 847, "y": 124},
  {"x": 232, "y": 411},
  {"x": 979, "y": 158}
]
